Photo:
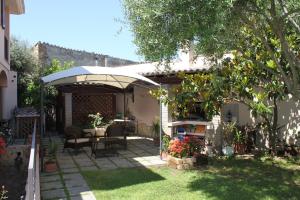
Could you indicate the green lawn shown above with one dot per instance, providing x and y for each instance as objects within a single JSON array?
[{"x": 222, "y": 179}]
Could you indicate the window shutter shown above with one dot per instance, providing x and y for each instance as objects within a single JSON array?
[{"x": 3, "y": 14}]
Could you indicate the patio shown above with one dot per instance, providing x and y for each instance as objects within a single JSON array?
[{"x": 68, "y": 181}]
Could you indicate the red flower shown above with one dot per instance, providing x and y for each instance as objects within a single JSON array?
[{"x": 2, "y": 146}]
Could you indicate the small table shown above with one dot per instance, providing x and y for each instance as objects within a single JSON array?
[{"x": 105, "y": 152}]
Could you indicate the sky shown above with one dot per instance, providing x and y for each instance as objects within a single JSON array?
[{"x": 90, "y": 25}]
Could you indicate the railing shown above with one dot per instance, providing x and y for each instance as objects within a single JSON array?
[{"x": 33, "y": 179}]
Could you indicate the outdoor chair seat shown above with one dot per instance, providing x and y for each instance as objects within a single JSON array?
[
  {"x": 79, "y": 140},
  {"x": 116, "y": 134},
  {"x": 74, "y": 138}
]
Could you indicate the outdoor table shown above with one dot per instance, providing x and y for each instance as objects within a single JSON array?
[{"x": 104, "y": 152}]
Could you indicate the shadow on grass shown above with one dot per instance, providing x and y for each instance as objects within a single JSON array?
[
  {"x": 114, "y": 179},
  {"x": 247, "y": 179}
]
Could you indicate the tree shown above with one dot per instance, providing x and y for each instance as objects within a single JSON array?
[
  {"x": 23, "y": 61},
  {"x": 162, "y": 27}
]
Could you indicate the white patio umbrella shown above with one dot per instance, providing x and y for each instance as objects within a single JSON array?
[{"x": 97, "y": 75}]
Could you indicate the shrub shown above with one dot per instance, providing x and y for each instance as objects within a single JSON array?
[{"x": 186, "y": 147}]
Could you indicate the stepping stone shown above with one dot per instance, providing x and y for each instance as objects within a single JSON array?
[
  {"x": 53, "y": 194},
  {"x": 52, "y": 185}
]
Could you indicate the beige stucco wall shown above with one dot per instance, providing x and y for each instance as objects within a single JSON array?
[
  {"x": 289, "y": 117},
  {"x": 145, "y": 108},
  {"x": 4, "y": 32},
  {"x": 9, "y": 95}
]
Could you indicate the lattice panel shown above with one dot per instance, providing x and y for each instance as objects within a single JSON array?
[
  {"x": 83, "y": 105},
  {"x": 25, "y": 126}
]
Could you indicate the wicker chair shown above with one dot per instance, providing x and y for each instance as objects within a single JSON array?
[
  {"x": 116, "y": 134},
  {"x": 74, "y": 138}
]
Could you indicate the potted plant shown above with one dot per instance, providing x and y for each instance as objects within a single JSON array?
[
  {"x": 239, "y": 142},
  {"x": 165, "y": 147},
  {"x": 228, "y": 130},
  {"x": 156, "y": 130},
  {"x": 97, "y": 124},
  {"x": 50, "y": 164}
]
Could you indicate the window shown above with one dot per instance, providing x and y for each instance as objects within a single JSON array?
[
  {"x": 6, "y": 45},
  {"x": 2, "y": 12}
]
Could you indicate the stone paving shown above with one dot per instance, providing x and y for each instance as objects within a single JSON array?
[{"x": 68, "y": 183}]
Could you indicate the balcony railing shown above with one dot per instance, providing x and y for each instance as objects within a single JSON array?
[{"x": 33, "y": 179}]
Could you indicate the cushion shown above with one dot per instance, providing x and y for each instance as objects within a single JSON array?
[{"x": 79, "y": 140}]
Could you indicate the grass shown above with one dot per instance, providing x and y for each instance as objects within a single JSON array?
[{"x": 223, "y": 179}]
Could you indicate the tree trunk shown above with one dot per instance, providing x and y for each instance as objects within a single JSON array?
[{"x": 274, "y": 131}]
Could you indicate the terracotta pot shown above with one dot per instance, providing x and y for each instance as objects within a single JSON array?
[
  {"x": 50, "y": 166},
  {"x": 239, "y": 148},
  {"x": 164, "y": 155}
]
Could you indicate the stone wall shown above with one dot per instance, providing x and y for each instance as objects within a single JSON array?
[{"x": 47, "y": 52}]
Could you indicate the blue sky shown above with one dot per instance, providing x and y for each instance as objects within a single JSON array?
[{"x": 90, "y": 25}]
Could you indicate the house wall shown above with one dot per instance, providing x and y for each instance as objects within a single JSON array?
[
  {"x": 145, "y": 108},
  {"x": 9, "y": 89},
  {"x": 9, "y": 95}
]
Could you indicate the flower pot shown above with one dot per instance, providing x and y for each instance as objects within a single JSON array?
[
  {"x": 100, "y": 131},
  {"x": 239, "y": 148},
  {"x": 50, "y": 166},
  {"x": 228, "y": 150},
  {"x": 164, "y": 155}
]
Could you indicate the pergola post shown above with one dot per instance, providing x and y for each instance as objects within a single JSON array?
[
  {"x": 42, "y": 123},
  {"x": 160, "y": 124}
]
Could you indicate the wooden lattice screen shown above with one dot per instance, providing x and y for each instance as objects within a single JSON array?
[
  {"x": 25, "y": 126},
  {"x": 83, "y": 105}
]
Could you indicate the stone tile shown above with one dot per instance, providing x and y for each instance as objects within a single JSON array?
[
  {"x": 53, "y": 194},
  {"x": 70, "y": 170},
  {"x": 50, "y": 178},
  {"x": 89, "y": 168},
  {"x": 86, "y": 164},
  {"x": 123, "y": 163},
  {"x": 75, "y": 183},
  {"x": 73, "y": 191},
  {"x": 86, "y": 196},
  {"x": 52, "y": 185},
  {"x": 67, "y": 165},
  {"x": 75, "y": 176},
  {"x": 108, "y": 167}
]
